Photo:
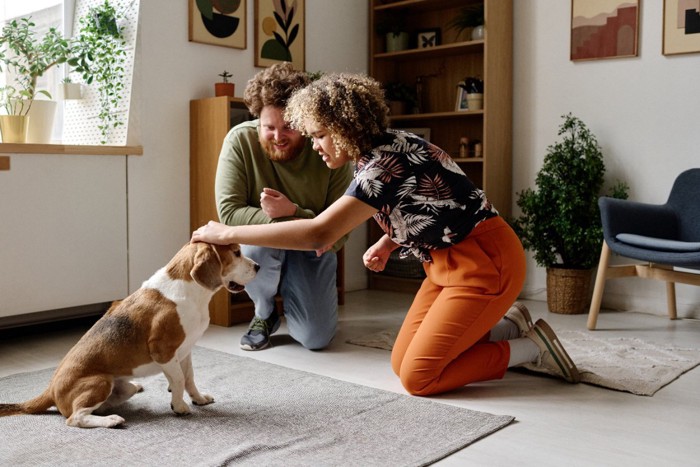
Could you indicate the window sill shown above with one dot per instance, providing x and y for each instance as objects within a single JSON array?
[{"x": 72, "y": 149}]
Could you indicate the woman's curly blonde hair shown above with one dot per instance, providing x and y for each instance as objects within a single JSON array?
[
  {"x": 273, "y": 86},
  {"x": 350, "y": 106}
]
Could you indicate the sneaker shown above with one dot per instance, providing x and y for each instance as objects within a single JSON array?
[
  {"x": 519, "y": 315},
  {"x": 553, "y": 358},
  {"x": 259, "y": 331}
]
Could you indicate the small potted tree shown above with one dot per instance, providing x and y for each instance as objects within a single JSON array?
[
  {"x": 560, "y": 220},
  {"x": 224, "y": 88},
  {"x": 395, "y": 34},
  {"x": 28, "y": 56},
  {"x": 470, "y": 17}
]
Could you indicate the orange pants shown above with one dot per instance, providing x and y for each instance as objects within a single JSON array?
[{"x": 443, "y": 342}]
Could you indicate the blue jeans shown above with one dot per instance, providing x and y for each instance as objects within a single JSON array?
[{"x": 307, "y": 284}]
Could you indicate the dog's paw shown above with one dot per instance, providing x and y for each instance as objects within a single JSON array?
[
  {"x": 204, "y": 399},
  {"x": 180, "y": 408},
  {"x": 112, "y": 421}
]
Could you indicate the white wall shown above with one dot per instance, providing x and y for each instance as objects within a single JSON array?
[
  {"x": 643, "y": 111},
  {"x": 170, "y": 72}
]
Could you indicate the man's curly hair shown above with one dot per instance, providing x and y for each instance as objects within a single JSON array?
[
  {"x": 273, "y": 86},
  {"x": 350, "y": 106}
]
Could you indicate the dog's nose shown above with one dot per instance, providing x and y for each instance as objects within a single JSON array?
[{"x": 257, "y": 267}]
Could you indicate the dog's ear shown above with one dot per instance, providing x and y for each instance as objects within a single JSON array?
[{"x": 206, "y": 267}]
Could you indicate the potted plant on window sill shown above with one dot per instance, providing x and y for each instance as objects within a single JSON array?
[
  {"x": 14, "y": 122},
  {"x": 560, "y": 220},
  {"x": 27, "y": 57}
]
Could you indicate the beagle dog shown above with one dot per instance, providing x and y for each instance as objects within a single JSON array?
[{"x": 152, "y": 330}]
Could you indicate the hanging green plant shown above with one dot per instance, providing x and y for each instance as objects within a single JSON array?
[{"x": 99, "y": 57}]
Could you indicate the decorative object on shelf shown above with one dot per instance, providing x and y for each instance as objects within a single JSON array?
[
  {"x": 469, "y": 17},
  {"x": 401, "y": 98},
  {"x": 224, "y": 88},
  {"x": 681, "y": 27},
  {"x": 428, "y": 38},
  {"x": 218, "y": 22},
  {"x": 395, "y": 34},
  {"x": 280, "y": 32},
  {"x": 478, "y": 149},
  {"x": 604, "y": 29},
  {"x": 463, "y": 147},
  {"x": 560, "y": 220},
  {"x": 474, "y": 88},
  {"x": 71, "y": 90}
]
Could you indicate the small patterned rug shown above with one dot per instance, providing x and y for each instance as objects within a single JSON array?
[{"x": 621, "y": 363}]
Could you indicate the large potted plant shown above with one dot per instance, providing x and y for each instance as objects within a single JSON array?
[
  {"x": 560, "y": 220},
  {"x": 27, "y": 57}
]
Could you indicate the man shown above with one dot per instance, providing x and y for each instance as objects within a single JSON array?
[{"x": 268, "y": 172}]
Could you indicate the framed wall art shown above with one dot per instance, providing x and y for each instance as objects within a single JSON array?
[
  {"x": 218, "y": 22},
  {"x": 604, "y": 29},
  {"x": 428, "y": 38},
  {"x": 681, "y": 27},
  {"x": 279, "y": 32}
]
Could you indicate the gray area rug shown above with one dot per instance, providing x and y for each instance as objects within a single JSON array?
[
  {"x": 621, "y": 363},
  {"x": 263, "y": 415}
]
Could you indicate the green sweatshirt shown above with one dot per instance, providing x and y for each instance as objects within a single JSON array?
[{"x": 244, "y": 170}]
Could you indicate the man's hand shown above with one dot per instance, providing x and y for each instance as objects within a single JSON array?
[{"x": 274, "y": 204}]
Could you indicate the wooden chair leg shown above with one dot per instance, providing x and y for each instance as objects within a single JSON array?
[
  {"x": 671, "y": 299},
  {"x": 599, "y": 286}
]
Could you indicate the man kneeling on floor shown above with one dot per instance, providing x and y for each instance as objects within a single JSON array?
[{"x": 268, "y": 172}]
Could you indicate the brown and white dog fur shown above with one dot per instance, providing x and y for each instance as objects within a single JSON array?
[{"x": 152, "y": 330}]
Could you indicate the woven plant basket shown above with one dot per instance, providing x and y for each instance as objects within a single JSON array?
[{"x": 569, "y": 290}]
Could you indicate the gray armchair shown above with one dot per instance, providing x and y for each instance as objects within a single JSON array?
[{"x": 663, "y": 236}]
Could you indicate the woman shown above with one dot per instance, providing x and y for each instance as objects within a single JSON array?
[{"x": 454, "y": 333}]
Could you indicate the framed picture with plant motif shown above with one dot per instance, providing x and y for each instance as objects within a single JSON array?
[
  {"x": 280, "y": 32},
  {"x": 604, "y": 29},
  {"x": 218, "y": 22},
  {"x": 681, "y": 27}
]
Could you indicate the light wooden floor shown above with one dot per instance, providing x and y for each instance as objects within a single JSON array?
[{"x": 556, "y": 423}]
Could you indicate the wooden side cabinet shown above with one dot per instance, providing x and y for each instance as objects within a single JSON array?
[{"x": 210, "y": 121}]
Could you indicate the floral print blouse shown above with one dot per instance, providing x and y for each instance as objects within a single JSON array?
[{"x": 425, "y": 200}]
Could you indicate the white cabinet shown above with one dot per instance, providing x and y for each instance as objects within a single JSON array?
[{"x": 63, "y": 232}]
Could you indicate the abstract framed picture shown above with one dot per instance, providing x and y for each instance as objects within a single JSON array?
[
  {"x": 428, "y": 38},
  {"x": 604, "y": 29},
  {"x": 681, "y": 27},
  {"x": 280, "y": 32},
  {"x": 218, "y": 22}
]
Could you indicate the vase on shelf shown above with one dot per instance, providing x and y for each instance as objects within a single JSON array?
[
  {"x": 478, "y": 33},
  {"x": 475, "y": 101},
  {"x": 396, "y": 42}
]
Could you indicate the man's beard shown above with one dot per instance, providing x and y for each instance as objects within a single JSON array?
[{"x": 291, "y": 152}]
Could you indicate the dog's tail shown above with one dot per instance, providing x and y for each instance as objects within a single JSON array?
[{"x": 39, "y": 404}]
